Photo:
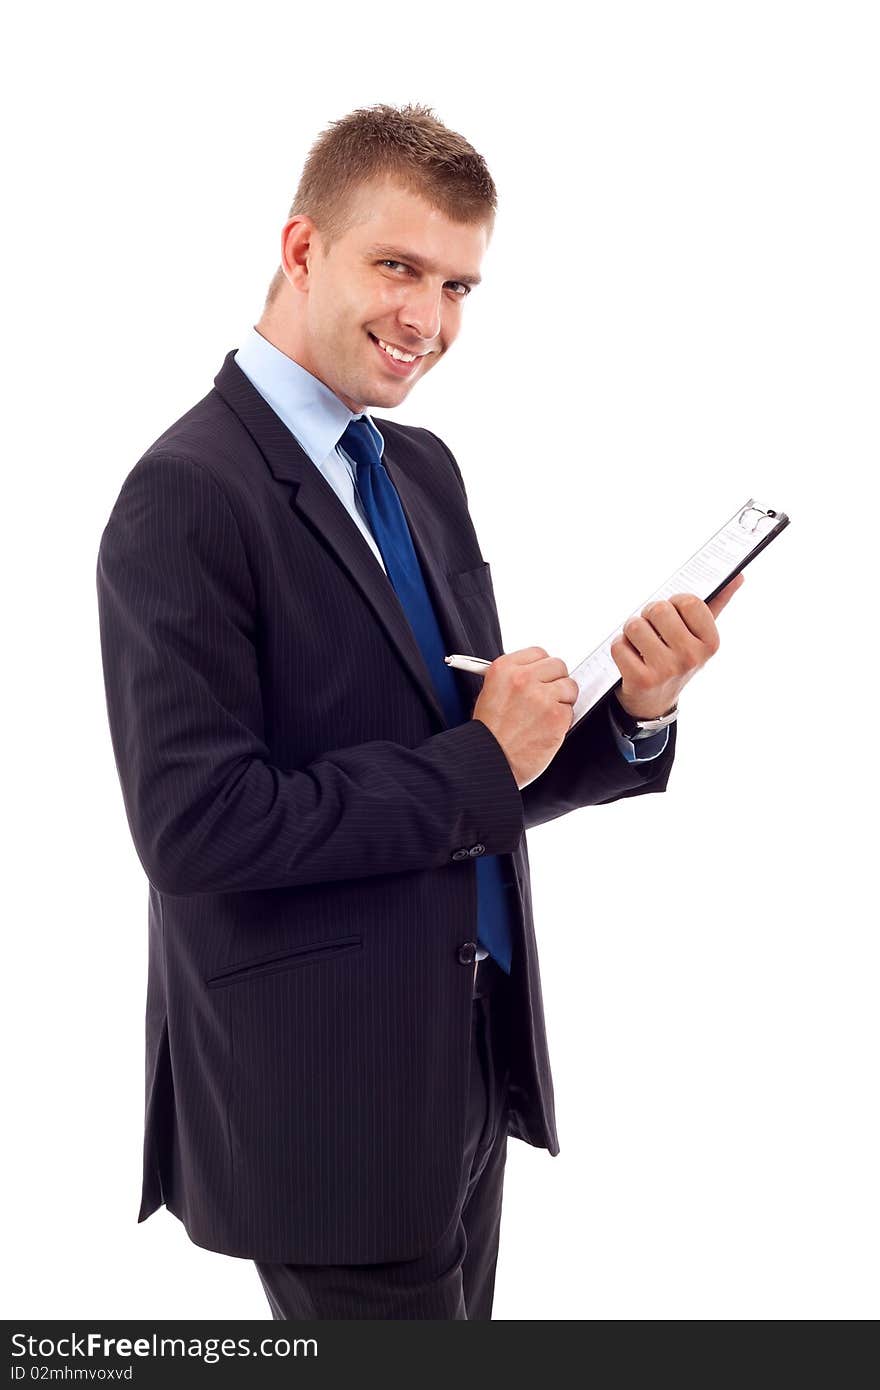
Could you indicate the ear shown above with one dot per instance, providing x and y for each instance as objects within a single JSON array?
[{"x": 297, "y": 245}]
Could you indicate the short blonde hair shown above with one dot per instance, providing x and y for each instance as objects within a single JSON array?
[{"x": 408, "y": 143}]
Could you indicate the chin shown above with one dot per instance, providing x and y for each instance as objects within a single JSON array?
[{"x": 386, "y": 396}]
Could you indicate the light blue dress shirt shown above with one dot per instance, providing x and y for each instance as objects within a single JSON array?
[{"x": 317, "y": 419}]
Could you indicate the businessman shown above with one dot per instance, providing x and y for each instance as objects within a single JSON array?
[{"x": 344, "y": 1015}]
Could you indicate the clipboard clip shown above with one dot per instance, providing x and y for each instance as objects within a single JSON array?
[{"x": 761, "y": 515}]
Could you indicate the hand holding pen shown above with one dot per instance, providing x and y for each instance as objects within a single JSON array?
[{"x": 526, "y": 701}]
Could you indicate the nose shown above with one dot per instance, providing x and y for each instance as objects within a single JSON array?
[{"x": 421, "y": 310}]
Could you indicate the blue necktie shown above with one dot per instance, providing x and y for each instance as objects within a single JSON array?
[{"x": 392, "y": 535}]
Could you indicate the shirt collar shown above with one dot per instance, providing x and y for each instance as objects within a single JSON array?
[{"x": 311, "y": 411}]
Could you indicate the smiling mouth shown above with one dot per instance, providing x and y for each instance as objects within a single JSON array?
[
  {"x": 398, "y": 355},
  {"x": 395, "y": 352}
]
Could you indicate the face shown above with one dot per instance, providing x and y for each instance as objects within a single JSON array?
[{"x": 398, "y": 278}]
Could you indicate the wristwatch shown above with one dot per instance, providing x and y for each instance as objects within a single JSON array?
[{"x": 633, "y": 728}]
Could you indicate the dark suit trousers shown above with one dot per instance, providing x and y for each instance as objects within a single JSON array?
[{"x": 455, "y": 1279}]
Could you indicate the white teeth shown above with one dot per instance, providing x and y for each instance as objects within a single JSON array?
[{"x": 396, "y": 352}]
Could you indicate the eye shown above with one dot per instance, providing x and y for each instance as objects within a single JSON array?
[{"x": 459, "y": 290}]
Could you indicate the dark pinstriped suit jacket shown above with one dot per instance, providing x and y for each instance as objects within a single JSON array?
[{"x": 297, "y": 803}]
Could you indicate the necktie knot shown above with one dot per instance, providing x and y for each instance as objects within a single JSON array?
[{"x": 360, "y": 444}]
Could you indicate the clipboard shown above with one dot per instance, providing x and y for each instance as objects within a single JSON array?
[{"x": 749, "y": 531}]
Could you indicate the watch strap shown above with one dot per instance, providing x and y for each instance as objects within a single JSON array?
[{"x": 635, "y": 729}]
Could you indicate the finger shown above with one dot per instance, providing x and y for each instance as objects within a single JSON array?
[
  {"x": 543, "y": 667},
  {"x": 626, "y": 658},
  {"x": 566, "y": 690},
  {"x": 696, "y": 617},
  {"x": 644, "y": 637},
  {"x": 664, "y": 640},
  {"x": 550, "y": 669},
  {"x": 524, "y": 656},
  {"x": 722, "y": 599}
]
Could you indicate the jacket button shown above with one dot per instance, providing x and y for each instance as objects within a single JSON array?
[
  {"x": 467, "y": 952},
  {"x": 460, "y": 853},
  {"x": 477, "y": 849}
]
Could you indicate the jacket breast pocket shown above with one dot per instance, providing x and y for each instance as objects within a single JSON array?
[
  {"x": 285, "y": 960},
  {"x": 468, "y": 583},
  {"x": 475, "y": 600}
]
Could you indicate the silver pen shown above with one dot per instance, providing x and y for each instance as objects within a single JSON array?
[{"x": 468, "y": 663}]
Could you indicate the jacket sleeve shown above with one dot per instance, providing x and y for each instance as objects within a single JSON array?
[
  {"x": 589, "y": 770},
  {"x": 208, "y": 810}
]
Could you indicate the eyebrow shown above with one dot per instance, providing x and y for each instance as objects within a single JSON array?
[{"x": 396, "y": 253}]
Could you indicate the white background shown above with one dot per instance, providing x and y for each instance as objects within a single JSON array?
[{"x": 680, "y": 311}]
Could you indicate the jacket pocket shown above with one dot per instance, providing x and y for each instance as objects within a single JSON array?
[
  {"x": 471, "y": 582},
  {"x": 285, "y": 960},
  {"x": 475, "y": 601}
]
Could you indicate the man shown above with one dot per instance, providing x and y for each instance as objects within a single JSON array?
[{"x": 344, "y": 1014}]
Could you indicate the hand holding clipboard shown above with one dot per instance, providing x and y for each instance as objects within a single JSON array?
[{"x": 705, "y": 576}]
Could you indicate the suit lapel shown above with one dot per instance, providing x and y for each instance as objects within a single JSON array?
[{"x": 314, "y": 500}]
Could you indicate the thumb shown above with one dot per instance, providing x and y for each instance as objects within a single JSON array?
[{"x": 722, "y": 599}]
